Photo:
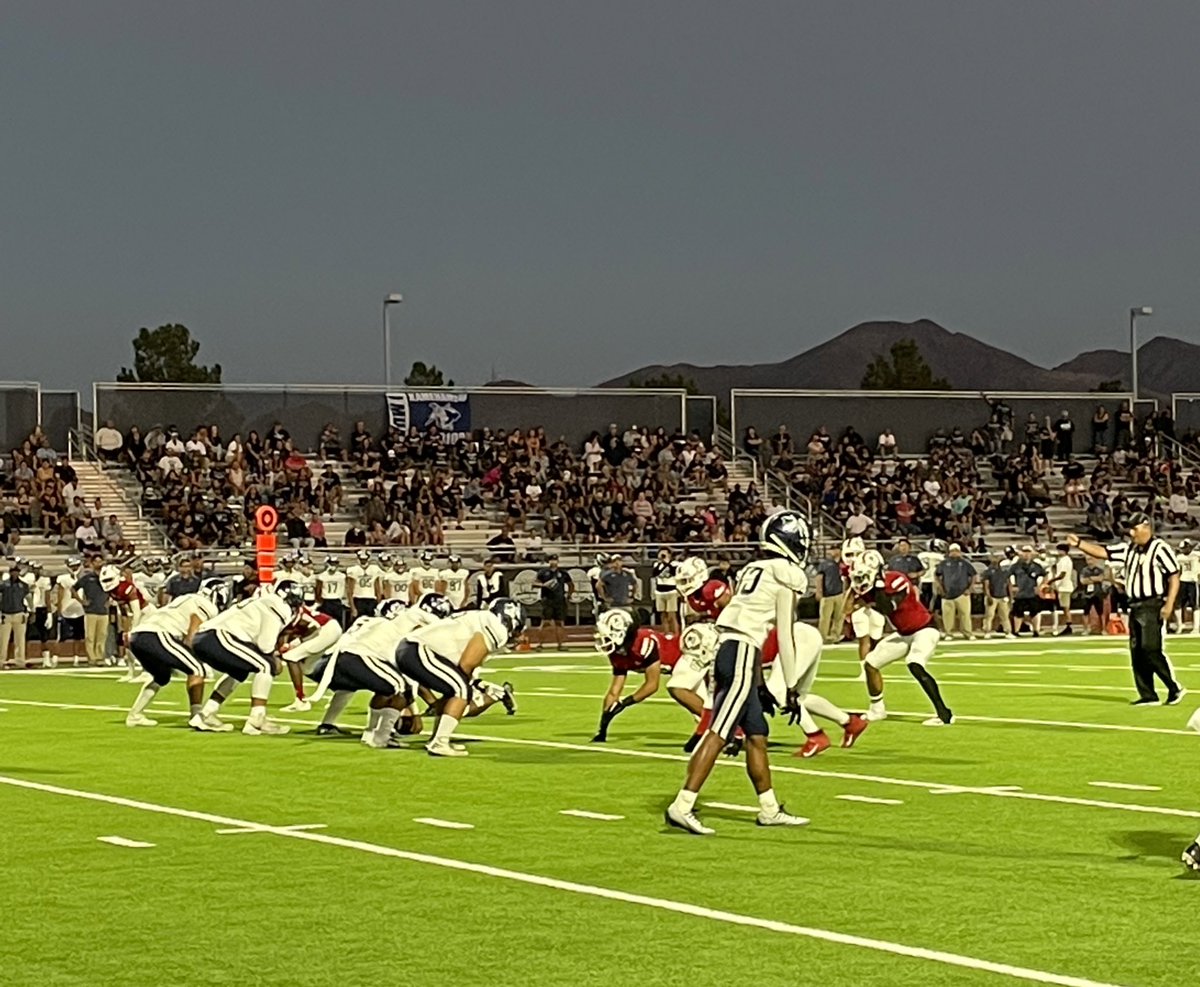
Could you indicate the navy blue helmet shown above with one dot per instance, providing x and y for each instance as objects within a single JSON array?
[{"x": 786, "y": 534}]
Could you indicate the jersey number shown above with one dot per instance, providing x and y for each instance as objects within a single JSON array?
[{"x": 748, "y": 581}]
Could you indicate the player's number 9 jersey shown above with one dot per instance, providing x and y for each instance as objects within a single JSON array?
[{"x": 750, "y": 612}]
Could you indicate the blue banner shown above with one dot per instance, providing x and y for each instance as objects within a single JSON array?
[{"x": 448, "y": 412}]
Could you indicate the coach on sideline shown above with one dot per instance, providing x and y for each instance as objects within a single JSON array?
[{"x": 1152, "y": 582}]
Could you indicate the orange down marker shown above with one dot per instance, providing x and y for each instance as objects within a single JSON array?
[{"x": 266, "y": 520}]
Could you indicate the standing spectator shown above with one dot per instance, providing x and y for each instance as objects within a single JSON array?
[
  {"x": 1063, "y": 579},
  {"x": 1100, "y": 421},
  {"x": 186, "y": 580},
  {"x": 556, "y": 587},
  {"x": 1064, "y": 435},
  {"x": 830, "y": 591},
  {"x": 618, "y": 586},
  {"x": 109, "y": 442},
  {"x": 997, "y": 594},
  {"x": 955, "y": 576},
  {"x": 666, "y": 598},
  {"x": 14, "y": 612},
  {"x": 906, "y": 562},
  {"x": 1027, "y": 578},
  {"x": 858, "y": 523},
  {"x": 752, "y": 445},
  {"x": 1096, "y": 581},
  {"x": 1125, "y": 419},
  {"x": 95, "y": 613}
]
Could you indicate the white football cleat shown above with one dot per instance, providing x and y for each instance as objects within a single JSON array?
[
  {"x": 444, "y": 749},
  {"x": 209, "y": 724},
  {"x": 139, "y": 720},
  {"x": 875, "y": 713},
  {"x": 688, "y": 821},
  {"x": 267, "y": 728},
  {"x": 297, "y": 706},
  {"x": 780, "y": 817},
  {"x": 1194, "y": 722},
  {"x": 937, "y": 721}
]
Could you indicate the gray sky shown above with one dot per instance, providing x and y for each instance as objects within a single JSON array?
[{"x": 565, "y": 190}]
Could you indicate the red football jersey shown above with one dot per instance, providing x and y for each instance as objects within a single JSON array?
[
  {"x": 710, "y": 599},
  {"x": 908, "y": 614},
  {"x": 127, "y": 593},
  {"x": 315, "y": 616},
  {"x": 771, "y": 646},
  {"x": 648, "y": 647}
]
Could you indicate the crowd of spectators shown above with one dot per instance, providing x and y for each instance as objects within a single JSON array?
[{"x": 625, "y": 485}]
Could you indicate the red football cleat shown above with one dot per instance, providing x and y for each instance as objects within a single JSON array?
[
  {"x": 816, "y": 743},
  {"x": 854, "y": 728}
]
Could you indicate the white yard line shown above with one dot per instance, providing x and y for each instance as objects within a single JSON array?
[
  {"x": 731, "y": 807},
  {"x": 442, "y": 823},
  {"x": 584, "y": 814},
  {"x": 121, "y": 841},
  {"x": 300, "y": 827},
  {"x": 594, "y": 891},
  {"x": 1124, "y": 786},
  {"x": 869, "y": 800}
]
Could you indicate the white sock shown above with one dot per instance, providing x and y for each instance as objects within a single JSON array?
[
  {"x": 260, "y": 685},
  {"x": 258, "y": 715},
  {"x": 337, "y": 705},
  {"x": 149, "y": 691},
  {"x": 822, "y": 707},
  {"x": 210, "y": 708},
  {"x": 131, "y": 664},
  {"x": 686, "y": 800},
  {"x": 446, "y": 725},
  {"x": 373, "y": 719},
  {"x": 387, "y": 723},
  {"x": 767, "y": 802},
  {"x": 807, "y": 723},
  {"x": 195, "y": 708}
]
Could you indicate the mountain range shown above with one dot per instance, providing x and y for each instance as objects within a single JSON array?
[{"x": 1165, "y": 365}]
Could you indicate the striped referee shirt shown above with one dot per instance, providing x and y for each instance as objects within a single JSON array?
[{"x": 1148, "y": 570}]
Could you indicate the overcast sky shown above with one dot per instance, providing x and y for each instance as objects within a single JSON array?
[{"x": 565, "y": 191}]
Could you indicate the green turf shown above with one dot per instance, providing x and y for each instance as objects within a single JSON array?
[{"x": 1091, "y": 891}]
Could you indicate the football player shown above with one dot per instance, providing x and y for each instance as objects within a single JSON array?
[
  {"x": 444, "y": 656},
  {"x": 312, "y": 635},
  {"x": 394, "y": 578},
  {"x": 242, "y": 643},
  {"x": 362, "y": 585},
  {"x": 423, "y": 578},
  {"x": 41, "y": 627},
  {"x": 162, "y": 643},
  {"x": 631, "y": 648},
  {"x": 454, "y": 578},
  {"x": 70, "y": 612},
  {"x": 130, "y": 603},
  {"x": 331, "y": 591},
  {"x": 1188, "y": 557},
  {"x": 363, "y": 659},
  {"x": 593, "y": 575},
  {"x": 914, "y": 639},
  {"x": 866, "y": 622},
  {"x": 765, "y": 597}
]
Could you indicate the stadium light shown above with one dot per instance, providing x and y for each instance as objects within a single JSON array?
[
  {"x": 1133, "y": 317},
  {"x": 395, "y": 298}
]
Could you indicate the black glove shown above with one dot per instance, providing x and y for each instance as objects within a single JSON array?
[{"x": 767, "y": 700}]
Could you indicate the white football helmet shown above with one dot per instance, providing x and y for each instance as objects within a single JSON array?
[
  {"x": 864, "y": 574},
  {"x": 852, "y": 548},
  {"x": 690, "y": 575},
  {"x": 699, "y": 642},
  {"x": 110, "y": 578},
  {"x": 612, "y": 629}
]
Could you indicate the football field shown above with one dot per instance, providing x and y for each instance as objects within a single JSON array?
[{"x": 1035, "y": 841}]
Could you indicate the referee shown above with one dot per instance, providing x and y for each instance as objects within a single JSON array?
[{"x": 1152, "y": 582}]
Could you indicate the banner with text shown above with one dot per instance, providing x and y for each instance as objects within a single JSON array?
[{"x": 448, "y": 412}]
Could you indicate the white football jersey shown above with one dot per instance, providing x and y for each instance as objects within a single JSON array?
[
  {"x": 69, "y": 606},
  {"x": 364, "y": 580},
  {"x": 930, "y": 560},
  {"x": 378, "y": 637},
  {"x": 1189, "y": 566},
  {"x": 332, "y": 584},
  {"x": 175, "y": 618},
  {"x": 425, "y": 578},
  {"x": 488, "y": 587},
  {"x": 449, "y": 638},
  {"x": 39, "y": 590},
  {"x": 456, "y": 586},
  {"x": 395, "y": 584},
  {"x": 308, "y": 585},
  {"x": 259, "y": 620},
  {"x": 750, "y": 612}
]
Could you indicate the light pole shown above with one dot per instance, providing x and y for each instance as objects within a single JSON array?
[
  {"x": 1133, "y": 315},
  {"x": 395, "y": 298}
]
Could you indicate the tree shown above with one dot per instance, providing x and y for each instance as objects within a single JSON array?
[
  {"x": 423, "y": 376},
  {"x": 168, "y": 355},
  {"x": 676, "y": 381},
  {"x": 905, "y": 371},
  {"x": 1109, "y": 387}
]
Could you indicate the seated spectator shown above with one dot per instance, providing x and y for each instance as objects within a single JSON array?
[
  {"x": 1177, "y": 509},
  {"x": 87, "y": 538},
  {"x": 109, "y": 442},
  {"x": 355, "y": 536},
  {"x": 114, "y": 536}
]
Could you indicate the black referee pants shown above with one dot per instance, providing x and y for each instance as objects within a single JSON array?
[{"x": 1146, "y": 649}]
